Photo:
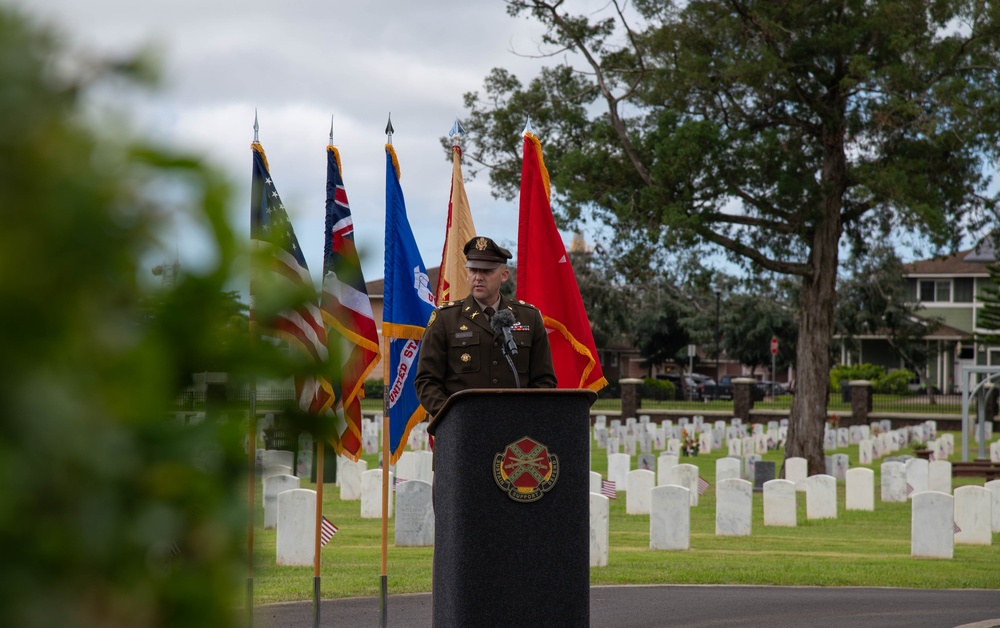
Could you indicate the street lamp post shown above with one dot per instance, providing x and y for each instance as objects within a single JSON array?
[{"x": 718, "y": 340}]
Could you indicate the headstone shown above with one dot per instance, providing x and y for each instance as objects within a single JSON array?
[
  {"x": 760, "y": 444},
  {"x": 733, "y": 507},
  {"x": 614, "y": 445},
  {"x": 601, "y": 436},
  {"x": 616, "y": 425},
  {"x": 686, "y": 475},
  {"x": 854, "y": 433},
  {"x": 763, "y": 471},
  {"x": 371, "y": 494},
  {"x": 932, "y": 525},
  {"x": 643, "y": 418},
  {"x": 994, "y": 488},
  {"x": 916, "y": 476},
  {"x": 645, "y": 442},
  {"x": 995, "y": 451},
  {"x": 659, "y": 439},
  {"x": 647, "y": 462},
  {"x": 303, "y": 464},
  {"x": 663, "y": 465},
  {"x": 350, "y": 473},
  {"x": 595, "y": 482},
  {"x": 865, "y": 452},
  {"x": 618, "y": 467},
  {"x": 797, "y": 471},
  {"x": 705, "y": 442},
  {"x": 406, "y": 466},
  {"x": 748, "y": 466},
  {"x": 274, "y": 486},
  {"x": 840, "y": 466},
  {"x": 296, "y": 536},
  {"x": 640, "y": 482},
  {"x": 843, "y": 437},
  {"x": 735, "y": 447},
  {"x": 275, "y": 469},
  {"x": 414, "y": 514},
  {"x": 821, "y": 497},
  {"x": 630, "y": 444},
  {"x": 893, "y": 481},
  {"x": 972, "y": 515},
  {"x": 829, "y": 440},
  {"x": 939, "y": 476},
  {"x": 601, "y": 420},
  {"x": 670, "y": 518},
  {"x": 860, "y": 490},
  {"x": 674, "y": 446},
  {"x": 278, "y": 457},
  {"x": 599, "y": 529},
  {"x": 949, "y": 441},
  {"x": 726, "y": 468},
  {"x": 779, "y": 503},
  {"x": 747, "y": 445}
]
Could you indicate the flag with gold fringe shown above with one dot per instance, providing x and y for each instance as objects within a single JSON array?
[{"x": 453, "y": 281}]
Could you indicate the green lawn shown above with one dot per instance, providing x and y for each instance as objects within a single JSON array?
[{"x": 856, "y": 549}]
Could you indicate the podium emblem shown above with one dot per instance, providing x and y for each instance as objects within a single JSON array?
[{"x": 525, "y": 470}]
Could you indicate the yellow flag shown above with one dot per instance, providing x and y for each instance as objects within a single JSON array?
[{"x": 453, "y": 282}]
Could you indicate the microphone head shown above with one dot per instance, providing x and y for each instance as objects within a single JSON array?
[{"x": 503, "y": 318}]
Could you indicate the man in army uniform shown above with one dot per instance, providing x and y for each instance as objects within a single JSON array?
[{"x": 460, "y": 349}]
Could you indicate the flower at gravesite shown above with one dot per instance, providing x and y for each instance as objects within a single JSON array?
[
  {"x": 834, "y": 421},
  {"x": 689, "y": 443}
]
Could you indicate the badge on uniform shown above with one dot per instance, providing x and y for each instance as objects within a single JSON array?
[
  {"x": 433, "y": 316},
  {"x": 519, "y": 326}
]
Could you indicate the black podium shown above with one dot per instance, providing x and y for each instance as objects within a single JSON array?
[{"x": 512, "y": 508}]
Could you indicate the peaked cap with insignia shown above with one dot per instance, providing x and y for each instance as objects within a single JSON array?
[{"x": 484, "y": 253}]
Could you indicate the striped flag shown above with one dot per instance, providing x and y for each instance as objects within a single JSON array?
[
  {"x": 326, "y": 531},
  {"x": 283, "y": 300},
  {"x": 453, "y": 281},
  {"x": 909, "y": 489},
  {"x": 608, "y": 489},
  {"x": 956, "y": 528},
  {"x": 347, "y": 311},
  {"x": 702, "y": 485},
  {"x": 409, "y": 301},
  {"x": 396, "y": 482}
]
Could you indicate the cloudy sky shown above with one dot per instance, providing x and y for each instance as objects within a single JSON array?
[{"x": 298, "y": 62}]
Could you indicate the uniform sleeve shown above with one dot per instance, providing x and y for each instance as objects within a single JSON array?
[
  {"x": 432, "y": 367},
  {"x": 542, "y": 373}
]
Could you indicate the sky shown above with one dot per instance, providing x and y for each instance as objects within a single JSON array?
[{"x": 297, "y": 63}]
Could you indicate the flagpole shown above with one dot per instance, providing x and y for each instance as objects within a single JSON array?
[
  {"x": 251, "y": 440},
  {"x": 386, "y": 454},
  {"x": 320, "y": 454}
]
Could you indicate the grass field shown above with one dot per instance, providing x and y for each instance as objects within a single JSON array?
[{"x": 856, "y": 549}]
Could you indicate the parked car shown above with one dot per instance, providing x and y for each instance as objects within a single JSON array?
[
  {"x": 695, "y": 383},
  {"x": 772, "y": 388},
  {"x": 724, "y": 390}
]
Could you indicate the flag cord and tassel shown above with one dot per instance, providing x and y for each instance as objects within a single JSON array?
[{"x": 383, "y": 606}]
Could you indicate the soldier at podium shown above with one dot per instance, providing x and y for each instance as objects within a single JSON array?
[{"x": 462, "y": 350}]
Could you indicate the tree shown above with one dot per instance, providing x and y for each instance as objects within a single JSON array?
[
  {"x": 750, "y": 321},
  {"x": 777, "y": 132},
  {"x": 989, "y": 315},
  {"x": 873, "y": 301}
]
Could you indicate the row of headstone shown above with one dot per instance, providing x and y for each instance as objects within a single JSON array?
[
  {"x": 902, "y": 478},
  {"x": 940, "y": 521},
  {"x": 643, "y": 436}
]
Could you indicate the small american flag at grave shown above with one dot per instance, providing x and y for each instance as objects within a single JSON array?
[
  {"x": 956, "y": 528},
  {"x": 396, "y": 482},
  {"x": 702, "y": 485},
  {"x": 909, "y": 489},
  {"x": 326, "y": 531},
  {"x": 608, "y": 489}
]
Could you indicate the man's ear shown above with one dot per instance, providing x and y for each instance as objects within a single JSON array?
[{"x": 505, "y": 275}]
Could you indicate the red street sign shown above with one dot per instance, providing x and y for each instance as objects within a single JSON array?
[{"x": 774, "y": 345}]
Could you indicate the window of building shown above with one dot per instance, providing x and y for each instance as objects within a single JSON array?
[
  {"x": 942, "y": 291},
  {"x": 935, "y": 291},
  {"x": 964, "y": 287}
]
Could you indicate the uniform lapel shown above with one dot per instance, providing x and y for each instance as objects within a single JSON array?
[{"x": 471, "y": 312}]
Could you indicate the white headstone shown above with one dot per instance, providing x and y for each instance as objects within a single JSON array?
[
  {"x": 779, "y": 503},
  {"x": 840, "y": 466},
  {"x": 821, "y": 497},
  {"x": 274, "y": 486},
  {"x": 425, "y": 466},
  {"x": 414, "y": 514},
  {"x": 735, "y": 447},
  {"x": 663, "y": 465},
  {"x": 406, "y": 466},
  {"x": 371, "y": 494},
  {"x": 726, "y": 468},
  {"x": 972, "y": 515},
  {"x": 796, "y": 471},
  {"x": 686, "y": 475},
  {"x": 670, "y": 518},
  {"x": 994, "y": 488},
  {"x": 640, "y": 482},
  {"x": 916, "y": 476},
  {"x": 865, "y": 452},
  {"x": 275, "y": 469},
  {"x": 893, "y": 481},
  {"x": 705, "y": 442},
  {"x": 939, "y": 476},
  {"x": 843, "y": 437},
  {"x": 674, "y": 446},
  {"x": 995, "y": 451},
  {"x": 931, "y": 525},
  {"x": 278, "y": 457},
  {"x": 599, "y": 529},
  {"x": 296, "y": 537},
  {"x": 614, "y": 445},
  {"x": 733, "y": 507},
  {"x": 303, "y": 464},
  {"x": 349, "y": 476},
  {"x": 618, "y": 467},
  {"x": 860, "y": 491},
  {"x": 595, "y": 482}
]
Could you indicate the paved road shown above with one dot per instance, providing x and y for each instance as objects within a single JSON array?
[{"x": 699, "y": 607}]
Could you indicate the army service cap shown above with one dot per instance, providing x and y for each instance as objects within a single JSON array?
[{"x": 484, "y": 253}]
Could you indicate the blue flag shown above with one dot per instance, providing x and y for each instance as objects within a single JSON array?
[{"x": 409, "y": 301}]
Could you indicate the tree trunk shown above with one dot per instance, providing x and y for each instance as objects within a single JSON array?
[{"x": 807, "y": 420}]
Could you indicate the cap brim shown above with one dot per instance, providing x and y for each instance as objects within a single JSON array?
[{"x": 482, "y": 264}]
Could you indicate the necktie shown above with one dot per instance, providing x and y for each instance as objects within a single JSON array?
[{"x": 489, "y": 312}]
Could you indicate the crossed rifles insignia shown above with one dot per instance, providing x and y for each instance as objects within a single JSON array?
[{"x": 525, "y": 470}]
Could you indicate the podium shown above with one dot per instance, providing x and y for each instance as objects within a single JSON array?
[{"x": 512, "y": 508}]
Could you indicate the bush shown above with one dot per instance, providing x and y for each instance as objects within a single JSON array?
[
  {"x": 658, "y": 389},
  {"x": 895, "y": 383},
  {"x": 374, "y": 388},
  {"x": 844, "y": 373}
]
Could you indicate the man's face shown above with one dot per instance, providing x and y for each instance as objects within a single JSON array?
[{"x": 484, "y": 285}]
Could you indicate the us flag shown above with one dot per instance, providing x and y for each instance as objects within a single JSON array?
[
  {"x": 326, "y": 531},
  {"x": 702, "y": 485},
  {"x": 608, "y": 489},
  {"x": 284, "y": 287},
  {"x": 347, "y": 311}
]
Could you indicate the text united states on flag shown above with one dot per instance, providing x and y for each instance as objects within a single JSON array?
[
  {"x": 347, "y": 311},
  {"x": 608, "y": 489},
  {"x": 285, "y": 278},
  {"x": 326, "y": 531}
]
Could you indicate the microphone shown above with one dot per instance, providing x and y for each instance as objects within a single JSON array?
[{"x": 501, "y": 323}]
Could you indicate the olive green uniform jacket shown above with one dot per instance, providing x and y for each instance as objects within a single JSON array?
[{"x": 460, "y": 351}]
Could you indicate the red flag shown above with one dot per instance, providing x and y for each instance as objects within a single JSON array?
[{"x": 545, "y": 278}]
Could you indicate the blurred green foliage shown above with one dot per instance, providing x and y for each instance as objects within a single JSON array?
[
  {"x": 894, "y": 383},
  {"x": 658, "y": 389},
  {"x": 113, "y": 513}
]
